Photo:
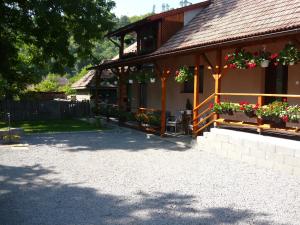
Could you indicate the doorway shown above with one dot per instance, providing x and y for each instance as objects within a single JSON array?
[{"x": 276, "y": 82}]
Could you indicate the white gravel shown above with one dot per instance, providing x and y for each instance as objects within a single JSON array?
[{"x": 121, "y": 177}]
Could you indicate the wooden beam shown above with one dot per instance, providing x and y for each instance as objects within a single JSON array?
[
  {"x": 159, "y": 34},
  {"x": 121, "y": 48},
  {"x": 207, "y": 60},
  {"x": 196, "y": 90},
  {"x": 163, "y": 78}
]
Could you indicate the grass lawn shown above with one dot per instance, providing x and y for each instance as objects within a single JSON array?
[{"x": 52, "y": 126}]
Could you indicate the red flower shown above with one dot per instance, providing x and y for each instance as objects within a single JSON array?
[
  {"x": 242, "y": 108},
  {"x": 218, "y": 101},
  {"x": 251, "y": 65},
  {"x": 274, "y": 56},
  {"x": 177, "y": 73},
  {"x": 232, "y": 66},
  {"x": 284, "y": 99},
  {"x": 226, "y": 57},
  {"x": 255, "y": 107},
  {"x": 285, "y": 118},
  {"x": 211, "y": 105}
]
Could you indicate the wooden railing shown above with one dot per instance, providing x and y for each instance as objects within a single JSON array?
[
  {"x": 202, "y": 110},
  {"x": 200, "y": 123}
]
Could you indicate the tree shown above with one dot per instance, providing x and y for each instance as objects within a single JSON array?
[{"x": 35, "y": 35}]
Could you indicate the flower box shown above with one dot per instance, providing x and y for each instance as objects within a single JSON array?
[
  {"x": 239, "y": 116},
  {"x": 274, "y": 122},
  {"x": 295, "y": 124}
]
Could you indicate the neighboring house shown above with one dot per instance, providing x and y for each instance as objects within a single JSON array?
[
  {"x": 86, "y": 87},
  {"x": 199, "y": 36}
]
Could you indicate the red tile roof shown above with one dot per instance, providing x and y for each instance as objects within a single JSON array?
[{"x": 225, "y": 20}]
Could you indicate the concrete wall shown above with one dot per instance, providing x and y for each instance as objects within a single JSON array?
[{"x": 235, "y": 81}]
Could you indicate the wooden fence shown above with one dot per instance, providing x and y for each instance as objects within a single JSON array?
[{"x": 43, "y": 110}]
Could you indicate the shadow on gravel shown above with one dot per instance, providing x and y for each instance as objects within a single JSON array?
[
  {"x": 28, "y": 198},
  {"x": 106, "y": 140}
]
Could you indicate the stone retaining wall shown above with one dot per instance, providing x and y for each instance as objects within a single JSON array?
[{"x": 264, "y": 151}]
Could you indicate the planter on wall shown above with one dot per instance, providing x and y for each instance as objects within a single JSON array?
[
  {"x": 293, "y": 124},
  {"x": 274, "y": 122},
  {"x": 264, "y": 63}
]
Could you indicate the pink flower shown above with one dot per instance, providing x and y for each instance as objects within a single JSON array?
[
  {"x": 226, "y": 57},
  {"x": 275, "y": 63},
  {"x": 232, "y": 66},
  {"x": 177, "y": 73}
]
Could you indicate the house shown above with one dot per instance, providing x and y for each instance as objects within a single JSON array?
[
  {"x": 211, "y": 38},
  {"x": 86, "y": 87}
]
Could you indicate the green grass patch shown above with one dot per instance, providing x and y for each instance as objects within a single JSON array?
[{"x": 53, "y": 126}]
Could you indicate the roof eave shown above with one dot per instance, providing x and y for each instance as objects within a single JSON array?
[{"x": 191, "y": 49}]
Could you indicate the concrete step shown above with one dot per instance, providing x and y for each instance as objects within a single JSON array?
[{"x": 263, "y": 151}]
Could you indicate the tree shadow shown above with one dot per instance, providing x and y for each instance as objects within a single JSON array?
[
  {"x": 102, "y": 141},
  {"x": 29, "y": 196}
]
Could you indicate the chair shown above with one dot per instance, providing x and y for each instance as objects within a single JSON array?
[{"x": 174, "y": 122}]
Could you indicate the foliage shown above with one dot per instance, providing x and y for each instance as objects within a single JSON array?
[
  {"x": 289, "y": 54},
  {"x": 275, "y": 109},
  {"x": 50, "y": 83},
  {"x": 293, "y": 113},
  {"x": 224, "y": 107},
  {"x": 183, "y": 74},
  {"x": 155, "y": 119},
  {"x": 261, "y": 56},
  {"x": 37, "y": 35},
  {"x": 240, "y": 59},
  {"x": 142, "y": 117},
  {"x": 248, "y": 109}
]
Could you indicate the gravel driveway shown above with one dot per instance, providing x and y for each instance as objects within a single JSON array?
[{"x": 121, "y": 177}]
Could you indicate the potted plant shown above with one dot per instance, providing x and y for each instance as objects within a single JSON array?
[
  {"x": 183, "y": 74},
  {"x": 240, "y": 59},
  {"x": 262, "y": 58},
  {"x": 142, "y": 118},
  {"x": 188, "y": 107},
  {"x": 289, "y": 55},
  {"x": 293, "y": 116},
  {"x": 154, "y": 120},
  {"x": 273, "y": 114},
  {"x": 248, "y": 109}
]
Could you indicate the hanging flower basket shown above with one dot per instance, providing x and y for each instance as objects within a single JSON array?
[
  {"x": 183, "y": 74},
  {"x": 240, "y": 59},
  {"x": 289, "y": 55}
]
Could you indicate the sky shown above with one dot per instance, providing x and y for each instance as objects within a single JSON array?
[{"x": 140, "y": 7}]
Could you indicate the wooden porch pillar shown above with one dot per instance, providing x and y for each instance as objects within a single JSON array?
[
  {"x": 217, "y": 77},
  {"x": 163, "y": 104},
  {"x": 164, "y": 76},
  {"x": 196, "y": 91},
  {"x": 122, "y": 89}
]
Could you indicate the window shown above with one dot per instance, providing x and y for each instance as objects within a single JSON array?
[{"x": 188, "y": 86}]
